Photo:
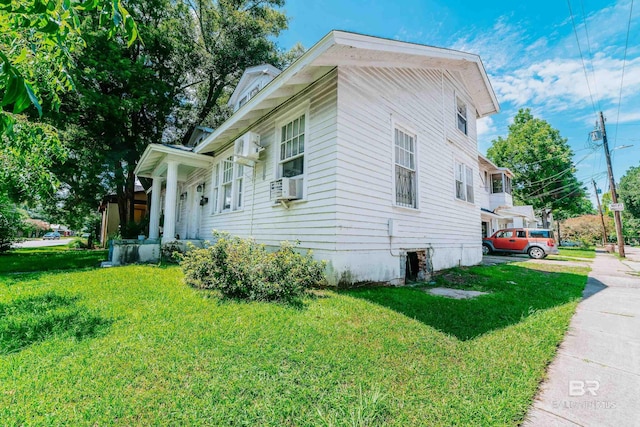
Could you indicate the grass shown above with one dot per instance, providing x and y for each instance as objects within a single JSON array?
[
  {"x": 578, "y": 252},
  {"x": 162, "y": 353},
  {"x": 49, "y": 258}
]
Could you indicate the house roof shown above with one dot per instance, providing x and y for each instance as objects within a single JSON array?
[
  {"x": 489, "y": 165},
  {"x": 249, "y": 76},
  {"x": 339, "y": 48},
  {"x": 152, "y": 162}
]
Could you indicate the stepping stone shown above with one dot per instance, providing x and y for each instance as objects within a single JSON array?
[{"x": 455, "y": 293}]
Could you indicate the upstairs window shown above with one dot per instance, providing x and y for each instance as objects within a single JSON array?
[
  {"x": 500, "y": 183},
  {"x": 405, "y": 169},
  {"x": 292, "y": 142},
  {"x": 464, "y": 182},
  {"x": 461, "y": 115}
]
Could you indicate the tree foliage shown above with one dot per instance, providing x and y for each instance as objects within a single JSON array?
[
  {"x": 629, "y": 191},
  {"x": 158, "y": 91},
  {"x": 37, "y": 41},
  {"x": 587, "y": 229},
  {"x": 542, "y": 163},
  {"x": 10, "y": 222},
  {"x": 229, "y": 36}
]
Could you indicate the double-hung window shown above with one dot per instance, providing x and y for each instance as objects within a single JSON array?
[
  {"x": 461, "y": 115},
  {"x": 237, "y": 204},
  {"x": 464, "y": 182},
  {"x": 405, "y": 169},
  {"x": 292, "y": 140},
  {"x": 215, "y": 190},
  {"x": 227, "y": 183}
]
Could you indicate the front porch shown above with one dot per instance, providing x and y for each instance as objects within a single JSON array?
[{"x": 172, "y": 202}]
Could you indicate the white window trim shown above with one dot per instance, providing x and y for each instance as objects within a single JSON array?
[
  {"x": 217, "y": 207},
  {"x": 467, "y": 171},
  {"x": 402, "y": 127},
  {"x": 457, "y": 97},
  {"x": 282, "y": 120},
  {"x": 214, "y": 197}
]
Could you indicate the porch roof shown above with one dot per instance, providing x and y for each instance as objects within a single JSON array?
[
  {"x": 153, "y": 162},
  {"x": 489, "y": 214},
  {"x": 339, "y": 48}
]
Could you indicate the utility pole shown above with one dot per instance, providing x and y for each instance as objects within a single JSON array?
[
  {"x": 604, "y": 227},
  {"x": 612, "y": 187}
]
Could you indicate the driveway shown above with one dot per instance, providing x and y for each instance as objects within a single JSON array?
[{"x": 42, "y": 243}]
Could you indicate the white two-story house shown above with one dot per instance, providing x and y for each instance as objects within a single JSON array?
[
  {"x": 496, "y": 202},
  {"x": 363, "y": 150}
]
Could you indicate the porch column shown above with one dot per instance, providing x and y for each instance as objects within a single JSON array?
[
  {"x": 154, "y": 214},
  {"x": 169, "y": 233}
]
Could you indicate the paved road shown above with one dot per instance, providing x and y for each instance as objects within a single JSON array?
[
  {"x": 595, "y": 377},
  {"x": 42, "y": 243}
]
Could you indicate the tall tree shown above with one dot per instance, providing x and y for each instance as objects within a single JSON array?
[
  {"x": 37, "y": 39},
  {"x": 542, "y": 163},
  {"x": 231, "y": 35},
  {"x": 192, "y": 55},
  {"x": 125, "y": 95},
  {"x": 629, "y": 190}
]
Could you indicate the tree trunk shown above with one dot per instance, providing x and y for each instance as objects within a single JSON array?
[
  {"x": 559, "y": 236},
  {"x": 545, "y": 218}
]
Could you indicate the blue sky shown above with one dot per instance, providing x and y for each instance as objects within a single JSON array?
[{"x": 531, "y": 54}]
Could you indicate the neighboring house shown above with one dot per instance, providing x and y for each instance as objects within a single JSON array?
[
  {"x": 62, "y": 229},
  {"x": 496, "y": 202},
  {"x": 110, "y": 224},
  {"x": 363, "y": 150}
]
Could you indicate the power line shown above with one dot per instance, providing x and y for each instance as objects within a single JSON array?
[
  {"x": 624, "y": 59},
  {"x": 586, "y": 76},
  {"x": 593, "y": 71}
]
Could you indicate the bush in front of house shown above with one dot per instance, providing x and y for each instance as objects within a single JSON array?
[{"x": 242, "y": 268}]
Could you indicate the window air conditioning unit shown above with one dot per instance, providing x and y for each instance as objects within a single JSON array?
[
  {"x": 247, "y": 149},
  {"x": 286, "y": 189}
]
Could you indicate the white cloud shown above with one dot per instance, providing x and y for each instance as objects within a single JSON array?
[
  {"x": 485, "y": 127},
  {"x": 561, "y": 84}
]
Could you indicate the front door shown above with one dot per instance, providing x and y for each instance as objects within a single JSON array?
[{"x": 193, "y": 214}]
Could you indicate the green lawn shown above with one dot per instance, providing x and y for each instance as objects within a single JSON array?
[
  {"x": 49, "y": 258},
  {"x": 573, "y": 254},
  {"x": 134, "y": 346}
]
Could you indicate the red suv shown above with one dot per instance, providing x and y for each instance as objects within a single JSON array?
[{"x": 536, "y": 242}]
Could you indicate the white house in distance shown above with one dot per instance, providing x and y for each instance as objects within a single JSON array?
[
  {"x": 363, "y": 150},
  {"x": 496, "y": 202}
]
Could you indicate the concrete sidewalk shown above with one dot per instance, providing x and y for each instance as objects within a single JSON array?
[{"x": 595, "y": 377}]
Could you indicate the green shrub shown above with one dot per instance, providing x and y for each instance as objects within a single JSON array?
[{"x": 242, "y": 268}]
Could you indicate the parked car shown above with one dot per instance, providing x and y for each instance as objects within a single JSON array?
[
  {"x": 52, "y": 235},
  {"x": 537, "y": 242},
  {"x": 570, "y": 243}
]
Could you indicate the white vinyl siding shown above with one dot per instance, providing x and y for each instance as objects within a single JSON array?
[
  {"x": 371, "y": 101},
  {"x": 311, "y": 221},
  {"x": 405, "y": 169}
]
